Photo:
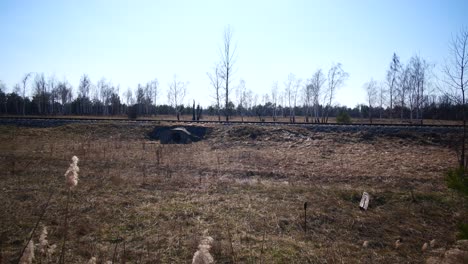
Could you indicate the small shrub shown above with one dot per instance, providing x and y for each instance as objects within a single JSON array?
[
  {"x": 463, "y": 231},
  {"x": 343, "y": 118},
  {"x": 457, "y": 180}
]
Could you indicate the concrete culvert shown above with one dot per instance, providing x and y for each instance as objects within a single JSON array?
[{"x": 178, "y": 135}]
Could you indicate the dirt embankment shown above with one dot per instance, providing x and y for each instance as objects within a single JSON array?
[{"x": 421, "y": 135}]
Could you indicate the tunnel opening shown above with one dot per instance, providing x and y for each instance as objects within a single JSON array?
[
  {"x": 178, "y": 134},
  {"x": 176, "y": 137}
]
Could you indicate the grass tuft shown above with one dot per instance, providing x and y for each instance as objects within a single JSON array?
[{"x": 457, "y": 179}]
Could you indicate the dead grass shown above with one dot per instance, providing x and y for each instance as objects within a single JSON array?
[{"x": 247, "y": 191}]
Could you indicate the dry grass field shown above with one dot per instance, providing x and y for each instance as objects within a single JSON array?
[{"x": 138, "y": 201}]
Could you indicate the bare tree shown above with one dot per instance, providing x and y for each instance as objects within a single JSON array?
[
  {"x": 148, "y": 97},
  {"x": 215, "y": 80},
  {"x": 154, "y": 90},
  {"x": 281, "y": 100},
  {"x": 266, "y": 98},
  {"x": 249, "y": 97},
  {"x": 105, "y": 90},
  {"x": 382, "y": 99},
  {"x": 3, "y": 101},
  {"x": 307, "y": 95},
  {"x": 456, "y": 73},
  {"x": 129, "y": 97},
  {"x": 83, "y": 93},
  {"x": 64, "y": 92},
  {"x": 40, "y": 92},
  {"x": 52, "y": 87},
  {"x": 241, "y": 94},
  {"x": 296, "y": 87},
  {"x": 17, "y": 89},
  {"x": 404, "y": 84},
  {"x": 24, "y": 81},
  {"x": 176, "y": 94},
  {"x": 274, "y": 99},
  {"x": 289, "y": 93},
  {"x": 228, "y": 56},
  {"x": 140, "y": 99},
  {"x": 415, "y": 84},
  {"x": 317, "y": 81},
  {"x": 392, "y": 79},
  {"x": 336, "y": 78},
  {"x": 84, "y": 86},
  {"x": 371, "y": 92},
  {"x": 255, "y": 100}
]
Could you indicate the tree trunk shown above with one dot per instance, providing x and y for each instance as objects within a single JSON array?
[{"x": 462, "y": 158}]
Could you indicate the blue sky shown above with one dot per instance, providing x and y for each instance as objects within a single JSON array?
[{"x": 131, "y": 42}]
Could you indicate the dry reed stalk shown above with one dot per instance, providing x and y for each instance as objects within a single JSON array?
[
  {"x": 114, "y": 254},
  {"x": 65, "y": 230},
  {"x": 28, "y": 254},
  {"x": 92, "y": 260},
  {"x": 123, "y": 254},
  {"x": 262, "y": 248},
  {"x": 305, "y": 218},
  {"x": 43, "y": 243},
  {"x": 1, "y": 251},
  {"x": 158, "y": 155},
  {"x": 36, "y": 225},
  {"x": 233, "y": 255},
  {"x": 202, "y": 255},
  {"x": 71, "y": 176}
]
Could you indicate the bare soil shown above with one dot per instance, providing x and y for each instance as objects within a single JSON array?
[{"x": 138, "y": 201}]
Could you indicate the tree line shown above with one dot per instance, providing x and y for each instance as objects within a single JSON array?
[
  {"x": 309, "y": 100},
  {"x": 409, "y": 92}
]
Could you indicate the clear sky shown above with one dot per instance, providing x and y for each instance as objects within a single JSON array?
[{"x": 131, "y": 42}]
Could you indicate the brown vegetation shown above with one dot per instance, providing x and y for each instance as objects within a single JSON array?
[{"x": 138, "y": 201}]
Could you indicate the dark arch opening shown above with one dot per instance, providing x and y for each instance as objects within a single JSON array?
[{"x": 176, "y": 138}]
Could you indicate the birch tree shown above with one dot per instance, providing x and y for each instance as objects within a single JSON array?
[
  {"x": 382, "y": 99},
  {"x": 176, "y": 94},
  {"x": 371, "y": 93},
  {"x": 241, "y": 97},
  {"x": 274, "y": 99},
  {"x": 215, "y": 81},
  {"x": 83, "y": 93},
  {"x": 404, "y": 84},
  {"x": 228, "y": 56},
  {"x": 289, "y": 93},
  {"x": 24, "y": 81},
  {"x": 336, "y": 78},
  {"x": 296, "y": 88},
  {"x": 456, "y": 79},
  {"x": 392, "y": 80},
  {"x": 307, "y": 95},
  {"x": 317, "y": 81}
]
